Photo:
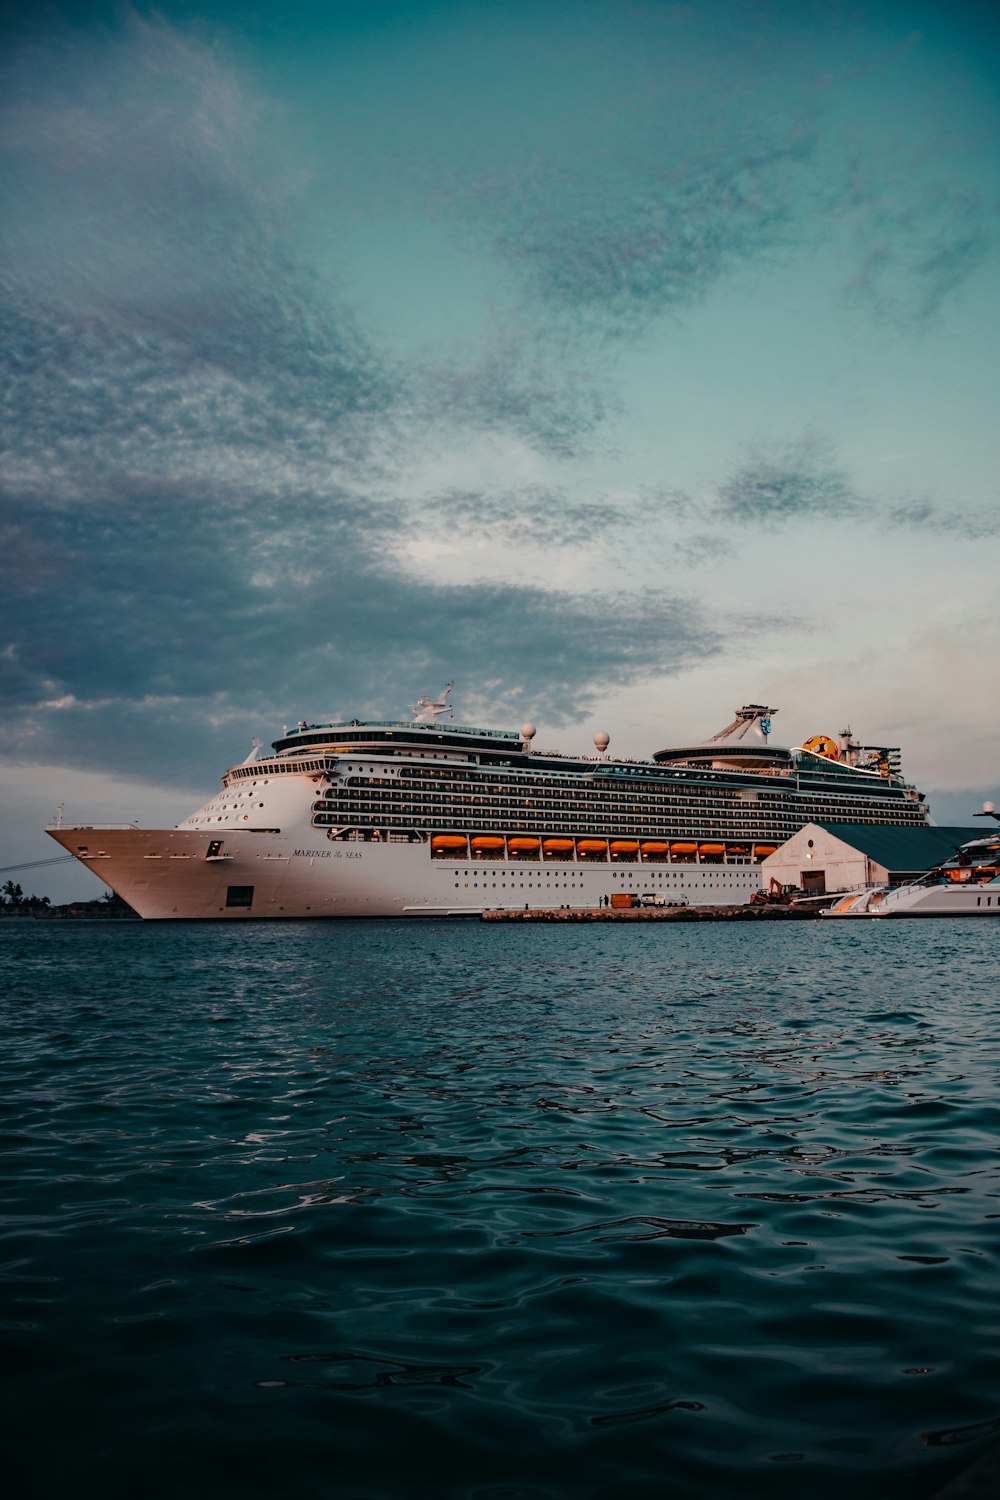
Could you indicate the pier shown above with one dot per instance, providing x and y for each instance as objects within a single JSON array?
[{"x": 760, "y": 913}]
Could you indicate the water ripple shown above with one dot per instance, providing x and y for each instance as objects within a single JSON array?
[{"x": 624, "y": 1211}]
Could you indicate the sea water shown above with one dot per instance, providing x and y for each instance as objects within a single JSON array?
[{"x": 514, "y": 1213}]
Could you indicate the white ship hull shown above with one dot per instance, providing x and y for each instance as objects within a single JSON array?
[{"x": 165, "y": 874}]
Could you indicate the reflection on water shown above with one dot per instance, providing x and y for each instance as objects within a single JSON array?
[{"x": 461, "y": 1210}]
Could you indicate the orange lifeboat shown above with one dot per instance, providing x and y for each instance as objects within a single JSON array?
[
  {"x": 712, "y": 848},
  {"x": 741, "y": 849},
  {"x": 486, "y": 844},
  {"x": 592, "y": 847},
  {"x": 653, "y": 846},
  {"x": 448, "y": 841},
  {"x": 524, "y": 845},
  {"x": 683, "y": 848},
  {"x": 761, "y": 851},
  {"x": 558, "y": 846},
  {"x": 624, "y": 846}
]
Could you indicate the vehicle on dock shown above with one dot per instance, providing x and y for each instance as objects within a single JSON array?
[{"x": 775, "y": 895}]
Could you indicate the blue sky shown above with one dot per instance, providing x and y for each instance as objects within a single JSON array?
[{"x": 623, "y": 362}]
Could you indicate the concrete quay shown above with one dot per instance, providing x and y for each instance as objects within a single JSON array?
[{"x": 759, "y": 913}]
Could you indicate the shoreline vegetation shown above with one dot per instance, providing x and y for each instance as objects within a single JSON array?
[{"x": 14, "y": 903}]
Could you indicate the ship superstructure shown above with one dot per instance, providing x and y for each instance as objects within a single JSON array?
[{"x": 423, "y": 818}]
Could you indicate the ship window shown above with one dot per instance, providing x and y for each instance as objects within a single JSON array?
[{"x": 239, "y": 895}]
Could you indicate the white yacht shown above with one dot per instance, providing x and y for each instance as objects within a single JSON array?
[
  {"x": 965, "y": 885},
  {"x": 429, "y": 819}
]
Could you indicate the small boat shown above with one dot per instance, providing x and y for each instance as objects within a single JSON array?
[
  {"x": 592, "y": 848},
  {"x": 967, "y": 884},
  {"x": 488, "y": 846},
  {"x": 558, "y": 848},
  {"x": 448, "y": 842}
]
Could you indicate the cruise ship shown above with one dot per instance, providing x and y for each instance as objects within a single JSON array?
[{"x": 429, "y": 819}]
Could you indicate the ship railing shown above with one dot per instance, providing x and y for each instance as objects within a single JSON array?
[
  {"x": 410, "y": 726},
  {"x": 92, "y": 827},
  {"x": 302, "y": 765}
]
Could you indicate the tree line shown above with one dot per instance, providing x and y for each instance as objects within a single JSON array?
[{"x": 14, "y": 903}]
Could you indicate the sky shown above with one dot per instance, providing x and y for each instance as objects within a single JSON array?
[{"x": 622, "y": 362}]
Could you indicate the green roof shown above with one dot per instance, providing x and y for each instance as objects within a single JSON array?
[{"x": 904, "y": 848}]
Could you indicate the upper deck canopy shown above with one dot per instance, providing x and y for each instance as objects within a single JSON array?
[
  {"x": 744, "y": 743},
  {"x": 395, "y": 735}
]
